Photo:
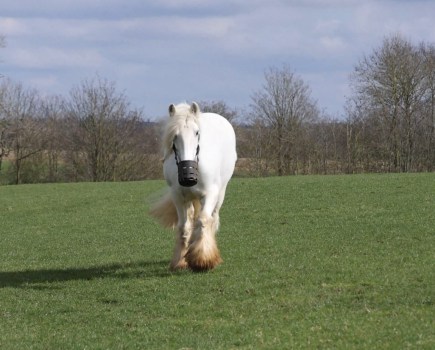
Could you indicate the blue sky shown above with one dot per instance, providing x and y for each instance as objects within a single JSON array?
[{"x": 168, "y": 51}]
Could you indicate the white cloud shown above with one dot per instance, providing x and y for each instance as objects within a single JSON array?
[
  {"x": 332, "y": 43},
  {"x": 12, "y": 27},
  {"x": 176, "y": 27},
  {"x": 52, "y": 58},
  {"x": 210, "y": 44}
]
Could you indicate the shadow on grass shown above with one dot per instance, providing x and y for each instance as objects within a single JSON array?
[{"x": 34, "y": 278}]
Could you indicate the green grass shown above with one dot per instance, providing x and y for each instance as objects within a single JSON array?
[{"x": 342, "y": 262}]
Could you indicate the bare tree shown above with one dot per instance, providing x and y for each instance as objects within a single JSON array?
[
  {"x": 23, "y": 132},
  {"x": 283, "y": 105},
  {"x": 390, "y": 82},
  {"x": 102, "y": 129},
  {"x": 52, "y": 111},
  {"x": 4, "y": 127},
  {"x": 4, "y": 149},
  {"x": 428, "y": 125},
  {"x": 219, "y": 107}
]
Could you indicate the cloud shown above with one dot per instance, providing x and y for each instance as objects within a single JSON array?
[
  {"x": 176, "y": 27},
  {"x": 12, "y": 27},
  {"x": 52, "y": 58},
  {"x": 373, "y": 20},
  {"x": 161, "y": 51},
  {"x": 332, "y": 43}
]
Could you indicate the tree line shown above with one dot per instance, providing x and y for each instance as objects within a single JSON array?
[
  {"x": 94, "y": 134},
  {"x": 388, "y": 124}
]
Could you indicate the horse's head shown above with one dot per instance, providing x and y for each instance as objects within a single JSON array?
[{"x": 182, "y": 138}]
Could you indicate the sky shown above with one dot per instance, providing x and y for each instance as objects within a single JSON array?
[{"x": 160, "y": 52}]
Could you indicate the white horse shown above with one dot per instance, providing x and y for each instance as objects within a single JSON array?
[{"x": 199, "y": 155}]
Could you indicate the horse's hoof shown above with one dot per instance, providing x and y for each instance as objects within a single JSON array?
[{"x": 199, "y": 264}]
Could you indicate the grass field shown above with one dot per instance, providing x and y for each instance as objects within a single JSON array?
[{"x": 340, "y": 262}]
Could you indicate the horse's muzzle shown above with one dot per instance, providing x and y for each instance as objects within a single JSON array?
[{"x": 188, "y": 173}]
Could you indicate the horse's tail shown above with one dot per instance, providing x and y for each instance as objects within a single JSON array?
[{"x": 165, "y": 211}]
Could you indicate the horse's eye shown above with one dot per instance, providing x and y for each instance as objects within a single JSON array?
[{"x": 197, "y": 133}]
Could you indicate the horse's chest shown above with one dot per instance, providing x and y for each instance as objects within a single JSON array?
[{"x": 192, "y": 193}]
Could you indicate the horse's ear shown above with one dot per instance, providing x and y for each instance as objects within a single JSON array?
[
  {"x": 195, "y": 108},
  {"x": 171, "y": 110}
]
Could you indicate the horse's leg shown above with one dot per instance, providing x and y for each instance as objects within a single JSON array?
[
  {"x": 218, "y": 207},
  {"x": 184, "y": 229},
  {"x": 203, "y": 253}
]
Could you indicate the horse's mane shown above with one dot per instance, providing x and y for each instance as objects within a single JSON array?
[{"x": 183, "y": 113}]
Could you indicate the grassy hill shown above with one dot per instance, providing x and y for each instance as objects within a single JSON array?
[{"x": 309, "y": 262}]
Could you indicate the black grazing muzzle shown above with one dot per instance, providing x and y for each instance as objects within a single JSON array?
[
  {"x": 188, "y": 173},
  {"x": 187, "y": 170}
]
